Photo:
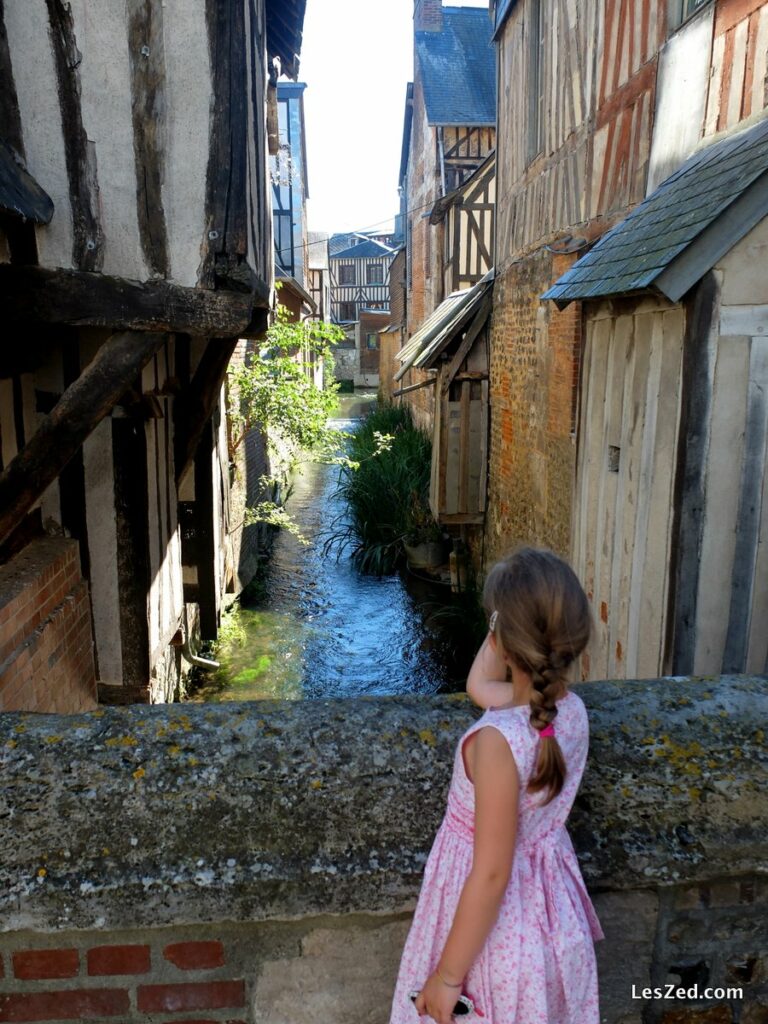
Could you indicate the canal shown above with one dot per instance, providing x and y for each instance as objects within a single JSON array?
[{"x": 322, "y": 629}]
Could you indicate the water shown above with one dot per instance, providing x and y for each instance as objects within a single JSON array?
[{"x": 325, "y": 630}]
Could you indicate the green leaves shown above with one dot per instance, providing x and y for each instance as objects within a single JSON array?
[{"x": 275, "y": 388}]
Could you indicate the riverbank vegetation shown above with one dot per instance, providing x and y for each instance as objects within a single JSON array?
[
  {"x": 274, "y": 390},
  {"x": 386, "y": 491}
]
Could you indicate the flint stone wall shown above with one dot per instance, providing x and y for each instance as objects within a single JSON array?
[{"x": 295, "y": 834}]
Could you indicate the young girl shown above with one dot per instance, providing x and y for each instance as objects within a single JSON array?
[{"x": 503, "y": 915}]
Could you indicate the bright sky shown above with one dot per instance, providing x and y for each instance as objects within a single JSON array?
[{"x": 356, "y": 58}]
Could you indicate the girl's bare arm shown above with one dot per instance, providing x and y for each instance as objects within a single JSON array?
[
  {"x": 497, "y": 789},
  {"x": 485, "y": 682}
]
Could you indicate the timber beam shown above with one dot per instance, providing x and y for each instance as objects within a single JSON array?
[
  {"x": 75, "y": 416},
  {"x": 37, "y": 295}
]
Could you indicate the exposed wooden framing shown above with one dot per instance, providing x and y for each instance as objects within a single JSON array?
[
  {"x": 33, "y": 295},
  {"x": 196, "y": 403},
  {"x": 748, "y": 532},
  {"x": 147, "y": 60},
  {"x": 227, "y": 198},
  {"x": 466, "y": 388},
  {"x": 478, "y": 322},
  {"x": 60, "y": 434},
  {"x": 87, "y": 244},
  {"x": 690, "y": 479},
  {"x": 204, "y": 513},
  {"x": 414, "y": 387},
  {"x": 131, "y": 489}
]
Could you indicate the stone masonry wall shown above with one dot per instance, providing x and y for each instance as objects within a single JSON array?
[
  {"x": 46, "y": 642},
  {"x": 260, "y": 862},
  {"x": 535, "y": 353}
]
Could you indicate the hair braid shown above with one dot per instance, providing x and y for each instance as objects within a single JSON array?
[{"x": 543, "y": 625}]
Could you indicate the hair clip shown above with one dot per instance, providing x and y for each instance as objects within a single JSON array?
[{"x": 492, "y": 621}]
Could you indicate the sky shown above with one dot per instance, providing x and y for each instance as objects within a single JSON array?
[{"x": 356, "y": 59}]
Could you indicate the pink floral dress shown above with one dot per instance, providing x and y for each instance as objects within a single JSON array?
[{"x": 538, "y": 963}]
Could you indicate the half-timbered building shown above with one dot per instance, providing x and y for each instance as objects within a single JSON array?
[
  {"x": 359, "y": 278},
  {"x": 448, "y": 139},
  {"x": 136, "y": 248},
  {"x": 615, "y": 438}
]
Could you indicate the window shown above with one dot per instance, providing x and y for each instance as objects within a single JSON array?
[
  {"x": 693, "y": 5},
  {"x": 535, "y": 78},
  {"x": 347, "y": 273},
  {"x": 347, "y": 311},
  {"x": 372, "y": 341},
  {"x": 374, "y": 273}
]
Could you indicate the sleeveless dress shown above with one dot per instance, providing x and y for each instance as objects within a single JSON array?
[{"x": 538, "y": 963}]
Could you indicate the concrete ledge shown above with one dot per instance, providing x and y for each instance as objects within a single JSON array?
[{"x": 126, "y": 817}]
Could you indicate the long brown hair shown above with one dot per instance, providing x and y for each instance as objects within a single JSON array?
[{"x": 543, "y": 624}]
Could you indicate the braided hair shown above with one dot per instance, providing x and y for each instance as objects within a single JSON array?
[{"x": 543, "y": 624}]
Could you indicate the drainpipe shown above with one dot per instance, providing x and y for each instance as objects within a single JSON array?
[{"x": 194, "y": 659}]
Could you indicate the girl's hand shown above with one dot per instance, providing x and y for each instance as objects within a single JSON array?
[{"x": 437, "y": 1000}]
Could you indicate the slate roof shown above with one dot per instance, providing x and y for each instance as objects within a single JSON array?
[
  {"x": 451, "y": 317},
  {"x": 705, "y": 202},
  {"x": 20, "y": 194},
  {"x": 458, "y": 69},
  {"x": 363, "y": 250}
]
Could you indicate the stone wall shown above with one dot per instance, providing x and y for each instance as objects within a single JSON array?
[
  {"x": 46, "y": 640},
  {"x": 534, "y": 381},
  {"x": 260, "y": 862}
]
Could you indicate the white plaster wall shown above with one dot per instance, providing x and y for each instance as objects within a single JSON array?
[
  {"x": 189, "y": 94},
  {"x": 102, "y": 38},
  {"x": 102, "y": 547},
  {"x": 26, "y": 22},
  {"x": 681, "y": 97}
]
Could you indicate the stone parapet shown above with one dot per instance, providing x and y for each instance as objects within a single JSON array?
[{"x": 307, "y": 824}]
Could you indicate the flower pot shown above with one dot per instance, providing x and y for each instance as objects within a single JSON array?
[{"x": 427, "y": 555}]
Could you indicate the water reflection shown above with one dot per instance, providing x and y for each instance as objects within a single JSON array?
[{"x": 324, "y": 629}]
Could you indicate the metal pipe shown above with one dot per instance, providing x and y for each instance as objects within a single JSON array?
[{"x": 194, "y": 659}]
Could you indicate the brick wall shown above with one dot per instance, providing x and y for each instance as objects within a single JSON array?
[
  {"x": 141, "y": 976},
  {"x": 46, "y": 645},
  {"x": 390, "y": 343},
  {"x": 533, "y": 387}
]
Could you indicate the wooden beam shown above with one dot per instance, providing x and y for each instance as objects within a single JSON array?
[
  {"x": 194, "y": 407},
  {"x": 469, "y": 339},
  {"x": 78, "y": 412},
  {"x": 34, "y": 295},
  {"x": 148, "y": 109},
  {"x": 87, "y": 233},
  {"x": 414, "y": 387},
  {"x": 196, "y": 404}
]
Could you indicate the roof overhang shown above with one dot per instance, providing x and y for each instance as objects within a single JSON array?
[
  {"x": 451, "y": 317},
  {"x": 286, "y": 281},
  {"x": 681, "y": 230},
  {"x": 20, "y": 194},
  {"x": 285, "y": 24},
  {"x": 444, "y": 203}
]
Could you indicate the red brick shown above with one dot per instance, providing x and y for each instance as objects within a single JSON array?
[
  {"x": 206, "y": 995},
  {"x": 34, "y": 964},
  {"x": 191, "y": 956},
  {"x": 75, "y": 1004},
  {"x": 118, "y": 960}
]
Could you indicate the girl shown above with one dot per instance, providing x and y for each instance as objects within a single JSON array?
[{"x": 503, "y": 915}]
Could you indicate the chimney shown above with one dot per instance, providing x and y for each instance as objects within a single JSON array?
[{"x": 428, "y": 15}]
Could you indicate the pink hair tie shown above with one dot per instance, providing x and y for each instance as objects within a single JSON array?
[{"x": 548, "y": 730}]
